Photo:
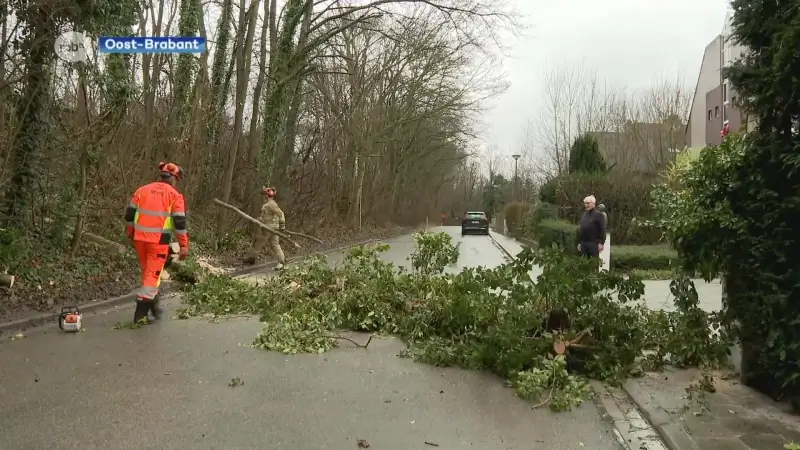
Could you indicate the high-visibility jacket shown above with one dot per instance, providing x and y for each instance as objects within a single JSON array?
[{"x": 156, "y": 212}]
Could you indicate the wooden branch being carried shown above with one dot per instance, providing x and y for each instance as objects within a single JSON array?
[
  {"x": 284, "y": 235},
  {"x": 295, "y": 233}
]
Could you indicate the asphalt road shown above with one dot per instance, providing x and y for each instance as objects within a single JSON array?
[{"x": 166, "y": 386}]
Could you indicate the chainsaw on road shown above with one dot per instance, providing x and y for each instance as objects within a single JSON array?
[{"x": 70, "y": 319}]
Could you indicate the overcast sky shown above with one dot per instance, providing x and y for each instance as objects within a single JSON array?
[{"x": 628, "y": 42}]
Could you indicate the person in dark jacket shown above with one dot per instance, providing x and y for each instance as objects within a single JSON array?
[
  {"x": 591, "y": 230},
  {"x": 602, "y": 208}
]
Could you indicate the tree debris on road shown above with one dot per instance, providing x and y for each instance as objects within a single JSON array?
[{"x": 491, "y": 319}]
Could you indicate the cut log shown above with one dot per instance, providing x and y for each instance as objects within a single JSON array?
[
  {"x": 246, "y": 216},
  {"x": 7, "y": 280},
  {"x": 101, "y": 240}
]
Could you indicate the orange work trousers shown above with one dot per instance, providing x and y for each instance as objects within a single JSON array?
[{"x": 152, "y": 258}]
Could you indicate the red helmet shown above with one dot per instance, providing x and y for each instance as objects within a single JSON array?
[
  {"x": 270, "y": 191},
  {"x": 171, "y": 169}
]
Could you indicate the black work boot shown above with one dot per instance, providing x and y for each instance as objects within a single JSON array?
[
  {"x": 142, "y": 307},
  {"x": 155, "y": 308}
]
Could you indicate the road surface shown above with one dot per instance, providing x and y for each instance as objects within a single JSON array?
[{"x": 166, "y": 386}]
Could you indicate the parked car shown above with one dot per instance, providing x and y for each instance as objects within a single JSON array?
[{"x": 475, "y": 222}]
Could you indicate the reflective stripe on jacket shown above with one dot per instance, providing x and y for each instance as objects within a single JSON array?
[{"x": 155, "y": 212}]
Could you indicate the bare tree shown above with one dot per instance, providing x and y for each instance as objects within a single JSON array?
[
  {"x": 646, "y": 126},
  {"x": 359, "y": 112},
  {"x": 636, "y": 130},
  {"x": 574, "y": 101}
]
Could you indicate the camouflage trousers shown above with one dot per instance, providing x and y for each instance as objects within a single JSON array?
[{"x": 263, "y": 239}]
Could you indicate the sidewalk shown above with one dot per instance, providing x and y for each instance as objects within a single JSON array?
[{"x": 735, "y": 417}]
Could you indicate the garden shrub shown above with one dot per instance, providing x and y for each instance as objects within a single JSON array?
[
  {"x": 544, "y": 211},
  {"x": 627, "y": 258},
  {"x": 548, "y": 193},
  {"x": 559, "y": 232},
  {"x": 535, "y": 215},
  {"x": 514, "y": 213},
  {"x": 728, "y": 214}
]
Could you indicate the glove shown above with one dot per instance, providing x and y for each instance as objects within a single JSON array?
[{"x": 184, "y": 253}]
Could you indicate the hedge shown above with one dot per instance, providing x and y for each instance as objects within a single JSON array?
[
  {"x": 626, "y": 258},
  {"x": 560, "y": 232}
]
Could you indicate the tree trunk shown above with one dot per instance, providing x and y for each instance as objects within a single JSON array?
[
  {"x": 81, "y": 121},
  {"x": 31, "y": 112},
  {"x": 243, "y": 62},
  {"x": 253, "y": 200}
]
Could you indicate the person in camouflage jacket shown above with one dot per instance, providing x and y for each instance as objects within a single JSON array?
[{"x": 272, "y": 216}]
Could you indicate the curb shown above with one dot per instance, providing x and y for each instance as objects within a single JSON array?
[
  {"x": 508, "y": 254},
  {"x": 673, "y": 435},
  {"x": 40, "y": 319},
  {"x": 609, "y": 410}
]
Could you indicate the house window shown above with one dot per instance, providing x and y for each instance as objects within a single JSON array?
[
  {"x": 725, "y": 92},
  {"x": 709, "y": 114},
  {"x": 733, "y": 102},
  {"x": 716, "y": 111},
  {"x": 724, "y": 113}
]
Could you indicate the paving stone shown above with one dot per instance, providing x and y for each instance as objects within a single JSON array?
[
  {"x": 722, "y": 444},
  {"x": 748, "y": 426},
  {"x": 764, "y": 441},
  {"x": 706, "y": 426},
  {"x": 790, "y": 435}
]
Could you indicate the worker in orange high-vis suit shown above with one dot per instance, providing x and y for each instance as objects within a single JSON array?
[{"x": 156, "y": 212}]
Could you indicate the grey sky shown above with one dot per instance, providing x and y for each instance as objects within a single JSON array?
[{"x": 628, "y": 42}]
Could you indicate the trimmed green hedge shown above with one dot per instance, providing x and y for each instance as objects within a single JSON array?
[
  {"x": 626, "y": 258},
  {"x": 559, "y": 232}
]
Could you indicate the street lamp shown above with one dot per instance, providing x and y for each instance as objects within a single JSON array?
[{"x": 516, "y": 175}]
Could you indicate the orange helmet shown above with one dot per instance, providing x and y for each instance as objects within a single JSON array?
[
  {"x": 270, "y": 191},
  {"x": 171, "y": 169}
]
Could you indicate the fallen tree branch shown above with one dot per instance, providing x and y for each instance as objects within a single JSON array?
[
  {"x": 244, "y": 215},
  {"x": 339, "y": 336},
  {"x": 101, "y": 240}
]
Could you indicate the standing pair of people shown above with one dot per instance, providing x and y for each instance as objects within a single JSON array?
[{"x": 592, "y": 228}]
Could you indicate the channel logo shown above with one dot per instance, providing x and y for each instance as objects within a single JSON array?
[
  {"x": 72, "y": 47},
  {"x": 166, "y": 44}
]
